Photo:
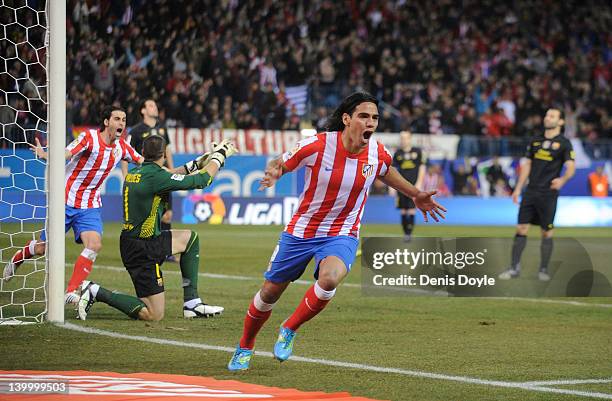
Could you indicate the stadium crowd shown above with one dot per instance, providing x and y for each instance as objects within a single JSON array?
[
  {"x": 482, "y": 68},
  {"x": 470, "y": 67}
]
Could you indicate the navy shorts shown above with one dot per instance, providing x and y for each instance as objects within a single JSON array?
[
  {"x": 538, "y": 208},
  {"x": 292, "y": 255}
]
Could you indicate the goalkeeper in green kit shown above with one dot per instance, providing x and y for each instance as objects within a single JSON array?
[{"x": 144, "y": 247}]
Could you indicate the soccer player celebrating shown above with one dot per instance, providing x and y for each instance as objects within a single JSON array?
[
  {"x": 91, "y": 157},
  {"x": 144, "y": 246},
  {"x": 410, "y": 162},
  {"x": 546, "y": 155},
  {"x": 341, "y": 165}
]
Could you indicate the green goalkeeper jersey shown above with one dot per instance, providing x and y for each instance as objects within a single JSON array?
[{"x": 143, "y": 190}]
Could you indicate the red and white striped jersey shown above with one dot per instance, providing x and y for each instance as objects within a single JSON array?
[
  {"x": 92, "y": 160},
  {"x": 337, "y": 184}
]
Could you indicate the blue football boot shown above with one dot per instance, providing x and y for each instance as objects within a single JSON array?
[
  {"x": 241, "y": 359},
  {"x": 284, "y": 345}
]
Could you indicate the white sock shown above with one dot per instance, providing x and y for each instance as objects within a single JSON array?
[
  {"x": 192, "y": 303},
  {"x": 260, "y": 305},
  {"x": 322, "y": 294},
  {"x": 31, "y": 246},
  {"x": 89, "y": 254},
  {"x": 94, "y": 289}
]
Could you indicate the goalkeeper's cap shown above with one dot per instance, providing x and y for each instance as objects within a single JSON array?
[{"x": 153, "y": 148}]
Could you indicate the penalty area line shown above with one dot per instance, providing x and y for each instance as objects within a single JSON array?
[
  {"x": 348, "y": 365},
  {"x": 568, "y": 382},
  {"x": 352, "y": 285}
]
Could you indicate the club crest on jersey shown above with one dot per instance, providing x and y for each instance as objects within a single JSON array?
[
  {"x": 556, "y": 145},
  {"x": 546, "y": 144},
  {"x": 367, "y": 170}
]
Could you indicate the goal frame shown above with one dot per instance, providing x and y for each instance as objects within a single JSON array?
[{"x": 56, "y": 115}]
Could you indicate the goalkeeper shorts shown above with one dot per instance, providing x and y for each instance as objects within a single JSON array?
[
  {"x": 143, "y": 259},
  {"x": 292, "y": 255}
]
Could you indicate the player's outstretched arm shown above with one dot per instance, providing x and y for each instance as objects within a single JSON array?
[
  {"x": 39, "y": 151},
  {"x": 274, "y": 170},
  {"x": 41, "y": 154},
  {"x": 219, "y": 153},
  {"x": 423, "y": 200},
  {"x": 194, "y": 165}
]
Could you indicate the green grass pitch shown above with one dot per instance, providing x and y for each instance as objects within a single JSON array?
[{"x": 489, "y": 339}]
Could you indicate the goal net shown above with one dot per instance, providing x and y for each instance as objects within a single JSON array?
[{"x": 23, "y": 189}]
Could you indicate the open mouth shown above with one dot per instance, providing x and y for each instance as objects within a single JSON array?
[{"x": 367, "y": 135}]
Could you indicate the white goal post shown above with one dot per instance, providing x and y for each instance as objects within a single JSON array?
[{"x": 56, "y": 78}]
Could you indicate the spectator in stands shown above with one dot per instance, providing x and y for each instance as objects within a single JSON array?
[
  {"x": 461, "y": 175},
  {"x": 495, "y": 173},
  {"x": 8, "y": 129},
  {"x": 500, "y": 189},
  {"x": 434, "y": 181},
  {"x": 598, "y": 183}
]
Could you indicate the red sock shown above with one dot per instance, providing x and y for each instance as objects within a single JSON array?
[
  {"x": 82, "y": 267},
  {"x": 253, "y": 322},
  {"x": 22, "y": 255},
  {"x": 310, "y": 306}
]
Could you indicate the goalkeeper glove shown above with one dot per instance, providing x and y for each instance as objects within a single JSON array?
[
  {"x": 222, "y": 151},
  {"x": 198, "y": 163}
]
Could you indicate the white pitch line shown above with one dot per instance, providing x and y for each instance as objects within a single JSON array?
[
  {"x": 340, "y": 364},
  {"x": 351, "y": 285},
  {"x": 568, "y": 382}
]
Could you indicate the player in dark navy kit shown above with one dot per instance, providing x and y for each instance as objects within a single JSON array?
[
  {"x": 151, "y": 125},
  {"x": 546, "y": 155},
  {"x": 410, "y": 162}
]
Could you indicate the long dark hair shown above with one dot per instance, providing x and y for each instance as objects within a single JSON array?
[{"x": 348, "y": 106}]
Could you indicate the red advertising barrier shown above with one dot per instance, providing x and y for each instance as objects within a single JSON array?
[
  {"x": 271, "y": 143},
  {"x": 82, "y": 385}
]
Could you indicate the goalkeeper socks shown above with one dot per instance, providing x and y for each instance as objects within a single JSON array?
[
  {"x": 546, "y": 248},
  {"x": 517, "y": 250},
  {"x": 127, "y": 304},
  {"x": 25, "y": 253},
  {"x": 82, "y": 267},
  {"x": 314, "y": 301},
  {"x": 410, "y": 227},
  {"x": 256, "y": 316},
  {"x": 190, "y": 263}
]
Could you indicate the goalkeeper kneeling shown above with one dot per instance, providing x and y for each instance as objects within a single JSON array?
[{"x": 144, "y": 247}]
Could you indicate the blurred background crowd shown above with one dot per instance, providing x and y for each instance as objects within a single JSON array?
[{"x": 482, "y": 68}]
